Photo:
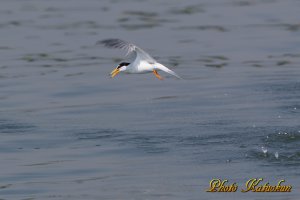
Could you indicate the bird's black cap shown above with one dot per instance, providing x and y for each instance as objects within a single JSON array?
[{"x": 123, "y": 64}]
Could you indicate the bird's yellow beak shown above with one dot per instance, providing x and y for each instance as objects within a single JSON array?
[{"x": 114, "y": 72}]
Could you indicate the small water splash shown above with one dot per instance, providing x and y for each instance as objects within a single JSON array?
[
  {"x": 286, "y": 141},
  {"x": 264, "y": 150}
]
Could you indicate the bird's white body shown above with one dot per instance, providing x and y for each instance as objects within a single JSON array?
[
  {"x": 141, "y": 62},
  {"x": 139, "y": 67}
]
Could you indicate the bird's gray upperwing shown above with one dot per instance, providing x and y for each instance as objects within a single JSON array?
[{"x": 131, "y": 49}]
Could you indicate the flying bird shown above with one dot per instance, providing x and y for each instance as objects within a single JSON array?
[{"x": 141, "y": 61}]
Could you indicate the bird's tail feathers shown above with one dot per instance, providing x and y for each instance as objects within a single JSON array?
[{"x": 165, "y": 69}]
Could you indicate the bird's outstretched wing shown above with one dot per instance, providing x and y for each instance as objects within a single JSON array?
[{"x": 129, "y": 48}]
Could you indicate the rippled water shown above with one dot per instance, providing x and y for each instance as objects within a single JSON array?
[{"x": 68, "y": 131}]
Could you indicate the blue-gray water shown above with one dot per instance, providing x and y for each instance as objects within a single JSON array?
[{"x": 68, "y": 131}]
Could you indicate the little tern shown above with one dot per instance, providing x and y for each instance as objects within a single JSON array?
[{"x": 141, "y": 61}]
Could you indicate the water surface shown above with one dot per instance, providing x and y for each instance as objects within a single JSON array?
[{"x": 68, "y": 131}]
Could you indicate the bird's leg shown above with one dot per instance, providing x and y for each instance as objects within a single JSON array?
[{"x": 157, "y": 75}]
